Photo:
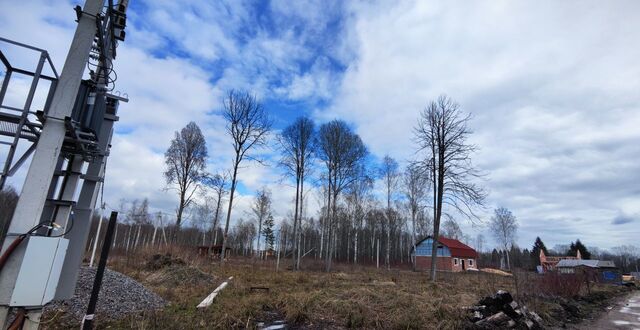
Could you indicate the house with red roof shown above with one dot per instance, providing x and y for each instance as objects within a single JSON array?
[{"x": 453, "y": 255}]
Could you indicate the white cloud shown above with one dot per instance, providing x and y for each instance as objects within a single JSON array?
[{"x": 550, "y": 87}]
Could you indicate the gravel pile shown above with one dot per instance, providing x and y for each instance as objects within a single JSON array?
[{"x": 120, "y": 295}]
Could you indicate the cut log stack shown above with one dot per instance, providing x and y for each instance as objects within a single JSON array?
[{"x": 501, "y": 311}]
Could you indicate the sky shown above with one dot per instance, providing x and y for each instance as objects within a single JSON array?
[{"x": 552, "y": 88}]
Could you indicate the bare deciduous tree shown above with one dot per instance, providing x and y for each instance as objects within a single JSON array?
[
  {"x": 480, "y": 243},
  {"x": 415, "y": 189},
  {"x": 186, "y": 162},
  {"x": 441, "y": 135},
  {"x": 218, "y": 183},
  {"x": 297, "y": 143},
  {"x": 201, "y": 215},
  {"x": 358, "y": 200},
  {"x": 504, "y": 227},
  {"x": 451, "y": 229},
  {"x": 261, "y": 210},
  {"x": 390, "y": 174},
  {"x": 342, "y": 151},
  {"x": 248, "y": 125}
]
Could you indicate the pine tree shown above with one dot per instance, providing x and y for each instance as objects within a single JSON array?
[
  {"x": 267, "y": 231},
  {"x": 535, "y": 252},
  {"x": 578, "y": 246}
]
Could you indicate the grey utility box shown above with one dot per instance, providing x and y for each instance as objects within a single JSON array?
[{"x": 40, "y": 271}]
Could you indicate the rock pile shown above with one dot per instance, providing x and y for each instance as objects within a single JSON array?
[
  {"x": 119, "y": 295},
  {"x": 501, "y": 311}
]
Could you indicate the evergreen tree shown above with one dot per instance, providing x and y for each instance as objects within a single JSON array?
[
  {"x": 535, "y": 252},
  {"x": 495, "y": 258},
  {"x": 267, "y": 231},
  {"x": 526, "y": 258},
  {"x": 578, "y": 246}
]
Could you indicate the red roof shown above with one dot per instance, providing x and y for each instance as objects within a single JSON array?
[{"x": 457, "y": 248}]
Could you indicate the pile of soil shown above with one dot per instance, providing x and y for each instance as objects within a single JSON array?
[
  {"x": 168, "y": 271},
  {"x": 159, "y": 261},
  {"x": 176, "y": 275}
]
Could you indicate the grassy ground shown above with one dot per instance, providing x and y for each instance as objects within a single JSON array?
[{"x": 350, "y": 297}]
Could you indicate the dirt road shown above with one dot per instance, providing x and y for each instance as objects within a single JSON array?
[{"x": 625, "y": 314}]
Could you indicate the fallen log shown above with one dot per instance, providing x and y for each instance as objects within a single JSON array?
[{"x": 209, "y": 299}]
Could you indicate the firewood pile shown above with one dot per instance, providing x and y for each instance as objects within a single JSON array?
[{"x": 501, "y": 311}]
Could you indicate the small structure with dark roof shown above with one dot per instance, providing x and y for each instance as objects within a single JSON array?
[
  {"x": 212, "y": 250},
  {"x": 604, "y": 271},
  {"x": 453, "y": 255}
]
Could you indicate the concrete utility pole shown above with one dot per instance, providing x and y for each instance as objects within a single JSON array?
[{"x": 77, "y": 126}]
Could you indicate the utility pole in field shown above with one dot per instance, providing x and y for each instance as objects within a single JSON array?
[{"x": 43, "y": 248}]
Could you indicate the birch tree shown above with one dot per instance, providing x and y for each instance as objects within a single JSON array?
[
  {"x": 504, "y": 227},
  {"x": 297, "y": 143},
  {"x": 441, "y": 136},
  {"x": 358, "y": 198},
  {"x": 341, "y": 151},
  {"x": 415, "y": 189},
  {"x": 390, "y": 174},
  {"x": 186, "y": 161},
  {"x": 248, "y": 125},
  {"x": 218, "y": 183},
  {"x": 261, "y": 210}
]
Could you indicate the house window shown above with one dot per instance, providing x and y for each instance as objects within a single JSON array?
[
  {"x": 455, "y": 261},
  {"x": 470, "y": 262}
]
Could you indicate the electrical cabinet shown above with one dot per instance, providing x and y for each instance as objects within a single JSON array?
[{"x": 40, "y": 271}]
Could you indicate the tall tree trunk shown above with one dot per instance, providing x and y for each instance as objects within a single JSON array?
[
  {"x": 378, "y": 254},
  {"x": 226, "y": 226},
  {"x": 438, "y": 208},
  {"x": 413, "y": 238},
  {"x": 355, "y": 248},
  {"x": 214, "y": 233},
  {"x": 115, "y": 236},
  {"x": 135, "y": 245},
  {"x": 259, "y": 253},
  {"x": 153, "y": 239},
  {"x": 179, "y": 215},
  {"x": 300, "y": 217},
  {"x": 295, "y": 224}
]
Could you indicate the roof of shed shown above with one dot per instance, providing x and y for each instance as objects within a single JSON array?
[
  {"x": 569, "y": 263},
  {"x": 457, "y": 248}
]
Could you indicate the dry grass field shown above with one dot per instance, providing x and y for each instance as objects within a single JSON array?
[{"x": 349, "y": 297}]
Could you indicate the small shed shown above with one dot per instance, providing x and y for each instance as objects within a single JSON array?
[
  {"x": 452, "y": 255},
  {"x": 604, "y": 271},
  {"x": 212, "y": 250}
]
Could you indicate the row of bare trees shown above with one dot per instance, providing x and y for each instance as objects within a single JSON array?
[{"x": 441, "y": 178}]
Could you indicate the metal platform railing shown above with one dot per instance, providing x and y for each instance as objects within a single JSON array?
[{"x": 21, "y": 124}]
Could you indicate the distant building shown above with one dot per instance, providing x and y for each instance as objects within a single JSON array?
[
  {"x": 548, "y": 264},
  {"x": 602, "y": 270},
  {"x": 453, "y": 255},
  {"x": 212, "y": 250}
]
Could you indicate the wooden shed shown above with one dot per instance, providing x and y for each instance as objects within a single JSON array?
[
  {"x": 604, "y": 271},
  {"x": 212, "y": 250},
  {"x": 453, "y": 255}
]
